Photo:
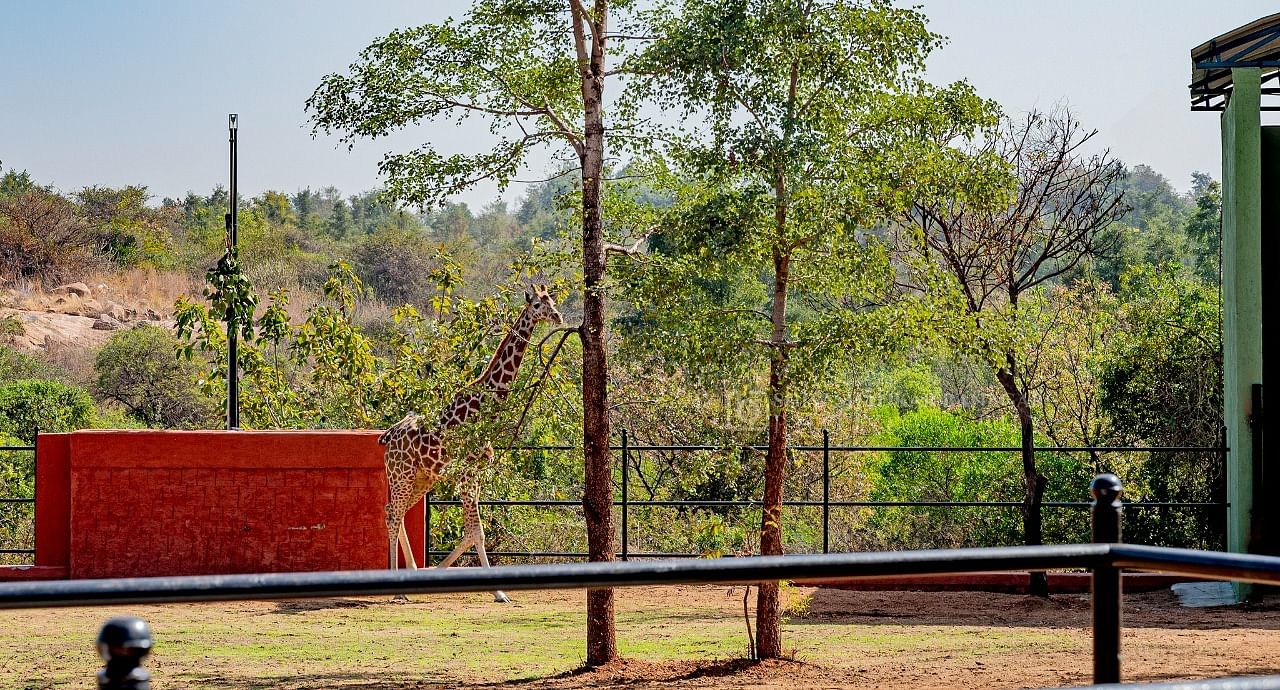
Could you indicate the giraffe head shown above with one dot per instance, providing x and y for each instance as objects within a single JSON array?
[{"x": 541, "y": 306}]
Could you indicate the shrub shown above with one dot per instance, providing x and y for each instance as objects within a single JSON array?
[
  {"x": 15, "y": 365},
  {"x": 43, "y": 234},
  {"x": 138, "y": 369},
  {"x": 909, "y": 475},
  {"x": 28, "y": 406}
]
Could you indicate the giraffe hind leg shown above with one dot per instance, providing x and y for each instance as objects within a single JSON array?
[{"x": 472, "y": 525}]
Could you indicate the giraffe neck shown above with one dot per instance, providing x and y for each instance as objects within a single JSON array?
[
  {"x": 495, "y": 382},
  {"x": 501, "y": 372}
]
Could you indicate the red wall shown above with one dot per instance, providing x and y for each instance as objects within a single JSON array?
[{"x": 141, "y": 503}]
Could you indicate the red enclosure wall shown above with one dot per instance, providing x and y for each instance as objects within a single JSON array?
[{"x": 142, "y": 503}]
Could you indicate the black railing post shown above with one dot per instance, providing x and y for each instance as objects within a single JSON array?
[
  {"x": 426, "y": 528},
  {"x": 1107, "y": 514},
  {"x": 123, "y": 643},
  {"x": 626, "y": 481},
  {"x": 826, "y": 491}
]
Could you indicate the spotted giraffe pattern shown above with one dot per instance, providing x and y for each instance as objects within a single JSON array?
[{"x": 416, "y": 455}]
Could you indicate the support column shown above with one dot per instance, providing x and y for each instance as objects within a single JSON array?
[{"x": 1241, "y": 295}]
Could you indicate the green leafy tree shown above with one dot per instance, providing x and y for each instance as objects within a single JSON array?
[
  {"x": 805, "y": 122},
  {"x": 535, "y": 73},
  {"x": 1204, "y": 227},
  {"x": 31, "y": 406},
  {"x": 138, "y": 370},
  {"x": 1161, "y": 384},
  {"x": 127, "y": 231}
]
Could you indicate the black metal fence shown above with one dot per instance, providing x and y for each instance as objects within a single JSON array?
[
  {"x": 627, "y": 453},
  {"x": 1106, "y": 557},
  {"x": 17, "y": 514}
]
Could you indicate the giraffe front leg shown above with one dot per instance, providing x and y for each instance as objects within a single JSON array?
[
  {"x": 407, "y": 549},
  {"x": 395, "y": 527}
]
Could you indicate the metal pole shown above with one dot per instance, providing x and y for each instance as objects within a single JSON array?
[
  {"x": 426, "y": 526},
  {"x": 1107, "y": 597},
  {"x": 233, "y": 374},
  {"x": 35, "y": 494},
  {"x": 626, "y": 480},
  {"x": 826, "y": 491}
]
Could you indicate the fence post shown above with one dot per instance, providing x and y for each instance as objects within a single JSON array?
[
  {"x": 1107, "y": 513},
  {"x": 626, "y": 481},
  {"x": 826, "y": 491},
  {"x": 123, "y": 643},
  {"x": 35, "y": 492},
  {"x": 426, "y": 526}
]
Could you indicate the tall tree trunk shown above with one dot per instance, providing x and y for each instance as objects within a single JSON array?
[
  {"x": 1033, "y": 483},
  {"x": 768, "y": 607},
  {"x": 597, "y": 497}
]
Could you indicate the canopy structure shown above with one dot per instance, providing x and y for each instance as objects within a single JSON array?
[{"x": 1256, "y": 44}]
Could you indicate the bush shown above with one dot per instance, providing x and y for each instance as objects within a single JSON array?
[
  {"x": 138, "y": 368},
  {"x": 43, "y": 234},
  {"x": 15, "y": 365},
  {"x": 967, "y": 476},
  {"x": 400, "y": 266},
  {"x": 29, "y": 406}
]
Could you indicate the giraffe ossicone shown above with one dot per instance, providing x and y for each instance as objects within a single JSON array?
[{"x": 419, "y": 451}]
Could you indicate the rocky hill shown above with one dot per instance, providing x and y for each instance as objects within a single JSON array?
[{"x": 74, "y": 314}]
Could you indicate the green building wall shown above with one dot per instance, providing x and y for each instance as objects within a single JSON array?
[{"x": 1242, "y": 217}]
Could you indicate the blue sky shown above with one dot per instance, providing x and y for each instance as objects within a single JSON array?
[{"x": 137, "y": 91}]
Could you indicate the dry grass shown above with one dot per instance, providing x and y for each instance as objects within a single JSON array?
[{"x": 143, "y": 288}]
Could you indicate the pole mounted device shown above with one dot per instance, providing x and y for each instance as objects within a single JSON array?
[{"x": 233, "y": 374}]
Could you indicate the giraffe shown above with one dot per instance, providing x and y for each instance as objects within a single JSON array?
[{"x": 416, "y": 455}]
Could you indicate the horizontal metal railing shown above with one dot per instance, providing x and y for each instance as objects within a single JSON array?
[{"x": 1207, "y": 564}]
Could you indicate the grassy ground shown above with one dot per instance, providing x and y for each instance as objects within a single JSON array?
[{"x": 682, "y": 636}]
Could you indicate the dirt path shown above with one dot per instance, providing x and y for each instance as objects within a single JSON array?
[{"x": 679, "y": 637}]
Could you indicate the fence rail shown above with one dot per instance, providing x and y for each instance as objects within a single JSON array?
[{"x": 625, "y": 503}]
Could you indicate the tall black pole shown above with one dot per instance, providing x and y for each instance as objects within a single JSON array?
[{"x": 233, "y": 374}]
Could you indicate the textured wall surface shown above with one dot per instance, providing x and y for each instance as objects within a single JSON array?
[{"x": 145, "y": 503}]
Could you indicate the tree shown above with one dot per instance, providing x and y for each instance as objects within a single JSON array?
[
  {"x": 804, "y": 134},
  {"x": 1161, "y": 385},
  {"x": 535, "y": 72},
  {"x": 1077, "y": 324},
  {"x": 126, "y": 231},
  {"x": 1204, "y": 227},
  {"x": 1065, "y": 201},
  {"x": 28, "y": 407},
  {"x": 137, "y": 369},
  {"x": 43, "y": 234}
]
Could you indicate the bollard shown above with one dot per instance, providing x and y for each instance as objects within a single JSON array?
[
  {"x": 123, "y": 642},
  {"x": 1107, "y": 512}
]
